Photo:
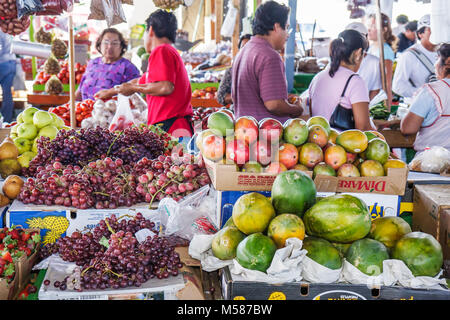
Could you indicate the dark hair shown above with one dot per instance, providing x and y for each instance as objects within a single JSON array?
[
  {"x": 444, "y": 57},
  {"x": 388, "y": 37},
  {"x": 411, "y": 26},
  {"x": 123, "y": 42},
  {"x": 421, "y": 31},
  {"x": 342, "y": 48},
  {"x": 402, "y": 19},
  {"x": 164, "y": 24},
  {"x": 242, "y": 38},
  {"x": 267, "y": 15}
]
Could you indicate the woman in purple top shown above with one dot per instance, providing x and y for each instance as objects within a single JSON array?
[{"x": 110, "y": 69}]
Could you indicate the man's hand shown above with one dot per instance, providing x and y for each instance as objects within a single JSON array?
[
  {"x": 127, "y": 89},
  {"x": 105, "y": 94}
]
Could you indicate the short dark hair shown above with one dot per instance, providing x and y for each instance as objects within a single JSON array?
[
  {"x": 402, "y": 19},
  {"x": 164, "y": 24},
  {"x": 411, "y": 26},
  {"x": 242, "y": 38},
  {"x": 123, "y": 42},
  {"x": 444, "y": 55},
  {"x": 342, "y": 48},
  {"x": 420, "y": 31},
  {"x": 267, "y": 14}
]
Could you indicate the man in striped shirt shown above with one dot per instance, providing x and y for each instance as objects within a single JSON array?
[{"x": 259, "y": 86}]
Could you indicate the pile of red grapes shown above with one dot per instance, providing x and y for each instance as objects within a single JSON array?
[
  {"x": 112, "y": 257},
  {"x": 79, "y": 147},
  {"x": 109, "y": 183}
]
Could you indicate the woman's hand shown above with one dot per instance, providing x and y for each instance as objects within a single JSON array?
[
  {"x": 127, "y": 89},
  {"x": 105, "y": 94}
]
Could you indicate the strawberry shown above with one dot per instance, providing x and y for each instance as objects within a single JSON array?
[
  {"x": 2, "y": 246},
  {"x": 14, "y": 234},
  {"x": 7, "y": 256},
  {"x": 11, "y": 246},
  {"x": 2, "y": 235},
  {"x": 25, "y": 236}
]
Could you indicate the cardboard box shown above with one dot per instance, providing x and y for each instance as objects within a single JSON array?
[
  {"x": 235, "y": 288},
  {"x": 431, "y": 213},
  {"x": 8, "y": 290},
  {"x": 154, "y": 289},
  {"x": 59, "y": 221},
  {"x": 224, "y": 177}
]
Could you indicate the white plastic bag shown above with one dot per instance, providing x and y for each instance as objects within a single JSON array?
[
  {"x": 230, "y": 21},
  {"x": 195, "y": 214},
  {"x": 123, "y": 118},
  {"x": 434, "y": 160}
]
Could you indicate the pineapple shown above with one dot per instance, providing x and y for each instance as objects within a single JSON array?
[{"x": 56, "y": 226}]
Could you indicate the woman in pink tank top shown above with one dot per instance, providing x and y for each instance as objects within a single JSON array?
[{"x": 431, "y": 121}]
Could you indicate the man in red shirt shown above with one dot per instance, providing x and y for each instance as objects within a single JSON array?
[{"x": 166, "y": 82}]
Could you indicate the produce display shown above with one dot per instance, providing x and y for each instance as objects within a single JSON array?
[
  {"x": 14, "y": 244},
  {"x": 112, "y": 257},
  {"x": 103, "y": 113},
  {"x": 270, "y": 146},
  {"x": 83, "y": 110},
  {"x": 206, "y": 93},
  {"x": 102, "y": 169},
  {"x": 33, "y": 124},
  {"x": 333, "y": 229},
  {"x": 61, "y": 70}
]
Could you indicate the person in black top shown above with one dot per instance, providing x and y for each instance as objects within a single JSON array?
[{"x": 408, "y": 37}]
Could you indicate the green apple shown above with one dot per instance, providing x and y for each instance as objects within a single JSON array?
[
  {"x": 13, "y": 135},
  {"x": 28, "y": 113},
  {"x": 25, "y": 158},
  {"x": 27, "y": 131},
  {"x": 48, "y": 131},
  {"x": 23, "y": 145},
  {"x": 57, "y": 121},
  {"x": 19, "y": 118},
  {"x": 42, "y": 118}
]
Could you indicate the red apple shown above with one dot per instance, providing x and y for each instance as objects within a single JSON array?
[
  {"x": 238, "y": 152},
  {"x": 261, "y": 151},
  {"x": 246, "y": 129},
  {"x": 270, "y": 130},
  {"x": 213, "y": 147}
]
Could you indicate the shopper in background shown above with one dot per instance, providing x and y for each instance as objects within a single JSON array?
[
  {"x": 326, "y": 88},
  {"x": 401, "y": 20},
  {"x": 429, "y": 114},
  {"x": 389, "y": 45},
  {"x": 224, "y": 91},
  {"x": 408, "y": 37},
  {"x": 166, "y": 82},
  {"x": 110, "y": 69},
  {"x": 370, "y": 66},
  {"x": 7, "y": 73},
  {"x": 415, "y": 65},
  {"x": 259, "y": 86}
]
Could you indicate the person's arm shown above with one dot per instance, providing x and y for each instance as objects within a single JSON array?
[
  {"x": 78, "y": 96},
  {"x": 109, "y": 93},
  {"x": 411, "y": 123},
  {"x": 283, "y": 108},
  {"x": 361, "y": 116},
  {"x": 224, "y": 91},
  {"x": 160, "y": 88}
]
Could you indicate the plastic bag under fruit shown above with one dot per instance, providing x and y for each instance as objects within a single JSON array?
[{"x": 123, "y": 118}]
